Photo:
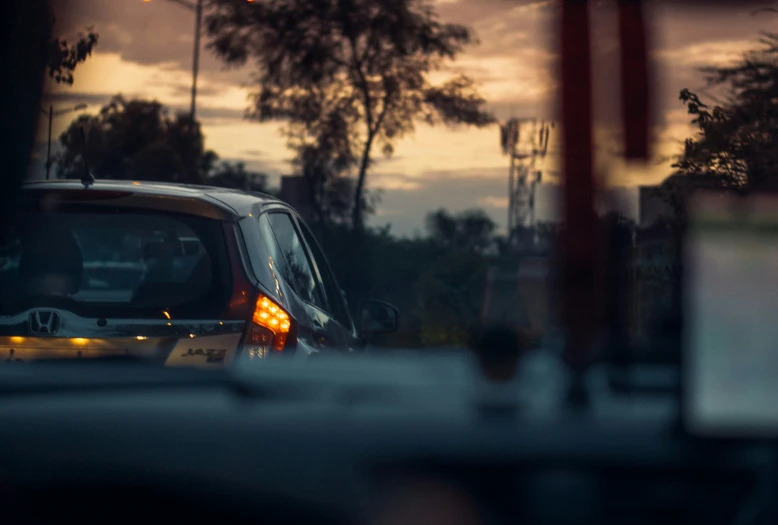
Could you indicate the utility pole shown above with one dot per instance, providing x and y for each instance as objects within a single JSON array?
[
  {"x": 51, "y": 113},
  {"x": 525, "y": 141},
  {"x": 197, "y": 7},
  {"x": 196, "y": 58},
  {"x": 48, "y": 150}
]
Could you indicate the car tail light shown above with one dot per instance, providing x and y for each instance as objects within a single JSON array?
[{"x": 270, "y": 329}]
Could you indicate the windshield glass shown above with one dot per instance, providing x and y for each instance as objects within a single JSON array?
[
  {"x": 111, "y": 264},
  {"x": 419, "y": 171},
  {"x": 414, "y": 229}
]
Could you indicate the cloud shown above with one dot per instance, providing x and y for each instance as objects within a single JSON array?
[
  {"x": 145, "y": 50},
  {"x": 394, "y": 182},
  {"x": 150, "y": 33},
  {"x": 503, "y": 27},
  {"x": 230, "y": 138},
  {"x": 681, "y": 24},
  {"x": 494, "y": 202},
  {"x": 105, "y": 75},
  {"x": 480, "y": 12},
  {"x": 252, "y": 153},
  {"x": 159, "y": 33},
  {"x": 111, "y": 73},
  {"x": 406, "y": 210},
  {"x": 714, "y": 53},
  {"x": 524, "y": 77}
]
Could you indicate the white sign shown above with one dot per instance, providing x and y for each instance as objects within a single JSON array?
[{"x": 731, "y": 347}]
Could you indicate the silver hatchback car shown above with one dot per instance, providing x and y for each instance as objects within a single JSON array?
[{"x": 175, "y": 274}]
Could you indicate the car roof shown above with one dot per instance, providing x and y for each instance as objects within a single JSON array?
[{"x": 237, "y": 203}]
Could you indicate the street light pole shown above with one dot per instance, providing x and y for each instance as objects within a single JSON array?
[
  {"x": 48, "y": 150},
  {"x": 52, "y": 114},
  {"x": 196, "y": 58},
  {"x": 197, "y": 7}
]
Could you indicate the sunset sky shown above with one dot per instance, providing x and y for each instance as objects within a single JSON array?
[{"x": 145, "y": 51}]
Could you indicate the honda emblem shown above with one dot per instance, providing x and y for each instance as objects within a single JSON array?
[{"x": 44, "y": 322}]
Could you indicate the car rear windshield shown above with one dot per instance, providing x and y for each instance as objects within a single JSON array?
[{"x": 136, "y": 264}]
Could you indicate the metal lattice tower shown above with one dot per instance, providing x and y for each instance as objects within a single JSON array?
[{"x": 525, "y": 141}]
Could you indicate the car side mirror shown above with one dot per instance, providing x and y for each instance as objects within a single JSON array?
[{"x": 377, "y": 317}]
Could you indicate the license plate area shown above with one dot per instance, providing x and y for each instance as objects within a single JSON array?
[{"x": 25, "y": 354}]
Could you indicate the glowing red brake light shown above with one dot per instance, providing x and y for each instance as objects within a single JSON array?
[
  {"x": 269, "y": 315},
  {"x": 269, "y": 329}
]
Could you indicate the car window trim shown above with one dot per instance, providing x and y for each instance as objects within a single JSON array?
[
  {"x": 281, "y": 208},
  {"x": 304, "y": 246},
  {"x": 301, "y": 224}
]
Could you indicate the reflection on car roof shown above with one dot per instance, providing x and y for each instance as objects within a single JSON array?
[{"x": 238, "y": 201}]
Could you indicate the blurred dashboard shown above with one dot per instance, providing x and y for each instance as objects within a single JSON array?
[{"x": 341, "y": 444}]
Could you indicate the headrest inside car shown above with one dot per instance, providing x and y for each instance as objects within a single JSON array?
[
  {"x": 51, "y": 263},
  {"x": 159, "y": 250}
]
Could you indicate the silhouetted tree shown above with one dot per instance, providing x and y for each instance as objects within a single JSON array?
[
  {"x": 140, "y": 140},
  {"x": 735, "y": 148},
  {"x": 235, "y": 175},
  {"x": 64, "y": 57},
  {"x": 547, "y": 232},
  {"x": 349, "y": 75},
  {"x": 450, "y": 290},
  {"x": 137, "y": 140},
  {"x": 470, "y": 230},
  {"x": 330, "y": 189},
  {"x": 449, "y": 295}
]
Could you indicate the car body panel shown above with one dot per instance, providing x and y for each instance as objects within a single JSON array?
[
  {"x": 310, "y": 341},
  {"x": 161, "y": 341},
  {"x": 212, "y": 342},
  {"x": 206, "y": 351}
]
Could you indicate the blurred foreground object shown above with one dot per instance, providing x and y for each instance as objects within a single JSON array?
[
  {"x": 635, "y": 80},
  {"x": 732, "y": 300},
  {"x": 24, "y": 38},
  {"x": 583, "y": 256},
  {"x": 427, "y": 501},
  {"x": 499, "y": 350},
  {"x": 580, "y": 246},
  {"x": 365, "y": 79}
]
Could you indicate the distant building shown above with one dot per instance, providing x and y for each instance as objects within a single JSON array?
[
  {"x": 653, "y": 288},
  {"x": 652, "y": 261},
  {"x": 521, "y": 296},
  {"x": 295, "y": 192},
  {"x": 655, "y": 256},
  {"x": 652, "y": 206}
]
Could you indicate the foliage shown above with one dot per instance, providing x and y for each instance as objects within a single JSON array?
[
  {"x": 235, "y": 175},
  {"x": 348, "y": 75},
  {"x": 471, "y": 230},
  {"x": 450, "y": 294},
  {"x": 136, "y": 140},
  {"x": 735, "y": 146},
  {"x": 435, "y": 283},
  {"x": 330, "y": 190},
  {"x": 380, "y": 266},
  {"x": 140, "y": 140},
  {"x": 63, "y": 58},
  {"x": 547, "y": 232}
]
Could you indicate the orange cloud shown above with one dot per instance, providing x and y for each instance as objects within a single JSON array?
[
  {"x": 710, "y": 53},
  {"x": 494, "y": 202}
]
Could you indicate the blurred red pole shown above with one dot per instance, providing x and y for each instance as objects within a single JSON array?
[
  {"x": 581, "y": 248},
  {"x": 24, "y": 46},
  {"x": 635, "y": 80}
]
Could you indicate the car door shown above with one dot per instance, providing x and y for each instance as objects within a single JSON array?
[
  {"x": 336, "y": 303},
  {"x": 319, "y": 330}
]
